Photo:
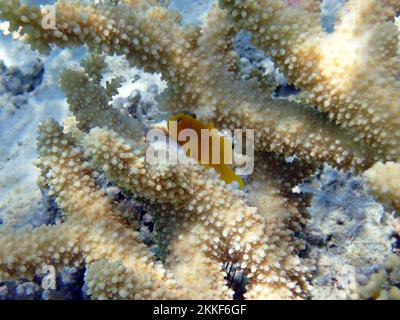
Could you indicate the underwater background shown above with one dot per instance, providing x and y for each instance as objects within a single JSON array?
[{"x": 349, "y": 235}]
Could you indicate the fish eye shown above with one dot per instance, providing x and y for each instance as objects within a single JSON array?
[{"x": 179, "y": 120}]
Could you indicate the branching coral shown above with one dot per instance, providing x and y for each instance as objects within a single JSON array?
[
  {"x": 94, "y": 231},
  {"x": 198, "y": 75},
  {"x": 202, "y": 223},
  {"x": 350, "y": 74},
  {"x": 212, "y": 219},
  {"x": 197, "y": 211}
]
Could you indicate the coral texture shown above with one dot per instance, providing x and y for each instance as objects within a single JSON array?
[
  {"x": 349, "y": 74},
  {"x": 384, "y": 181},
  {"x": 381, "y": 284},
  {"x": 202, "y": 224}
]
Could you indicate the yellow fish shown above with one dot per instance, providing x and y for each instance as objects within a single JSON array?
[{"x": 183, "y": 121}]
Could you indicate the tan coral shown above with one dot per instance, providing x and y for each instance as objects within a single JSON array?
[
  {"x": 384, "y": 181},
  {"x": 90, "y": 104},
  {"x": 224, "y": 227},
  {"x": 25, "y": 251},
  {"x": 199, "y": 77},
  {"x": 201, "y": 222},
  {"x": 349, "y": 74},
  {"x": 284, "y": 214},
  {"x": 210, "y": 223},
  {"x": 381, "y": 284},
  {"x": 94, "y": 230}
]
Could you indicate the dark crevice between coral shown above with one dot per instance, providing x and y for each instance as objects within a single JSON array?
[
  {"x": 68, "y": 286},
  {"x": 282, "y": 91},
  {"x": 54, "y": 213},
  {"x": 235, "y": 279},
  {"x": 396, "y": 243}
]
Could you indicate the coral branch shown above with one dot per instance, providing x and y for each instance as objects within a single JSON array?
[
  {"x": 349, "y": 74},
  {"x": 105, "y": 237},
  {"x": 215, "y": 214},
  {"x": 25, "y": 251},
  {"x": 198, "y": 80},
  {"x": 90, "y": 104}
]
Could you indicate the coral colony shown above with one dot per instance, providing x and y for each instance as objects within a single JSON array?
[{"x": 214, "y": 232}]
